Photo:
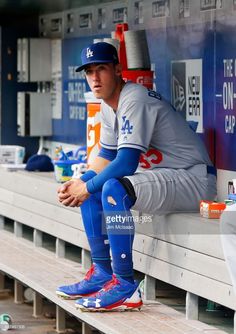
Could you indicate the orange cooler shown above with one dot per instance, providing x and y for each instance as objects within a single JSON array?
[{"x": 93, "y": 126}]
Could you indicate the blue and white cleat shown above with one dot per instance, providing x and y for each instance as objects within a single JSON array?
[
  {"x": 118, "y": 294},
  {"x": 93, "y": 282}
]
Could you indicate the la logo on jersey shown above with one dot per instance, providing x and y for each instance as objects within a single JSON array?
[
  {"x": 89, "y": 53},
  {"x": 126, "y": 126}
]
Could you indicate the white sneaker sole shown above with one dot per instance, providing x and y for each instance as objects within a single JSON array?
[
  {"x": 72, "y": 297},
  {"x": 120, "y": 308},
  {"x": 63, "y": 295}
]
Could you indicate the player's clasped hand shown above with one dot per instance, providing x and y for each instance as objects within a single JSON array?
[{"x": 73, "y": 193}]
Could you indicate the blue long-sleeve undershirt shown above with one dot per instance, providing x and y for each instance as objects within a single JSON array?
[
  {"x": 124, "y": 164},
  {"x": 107, "y": 154}
]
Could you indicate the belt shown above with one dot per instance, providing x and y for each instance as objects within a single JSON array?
[{"x": 211, "y": 170}]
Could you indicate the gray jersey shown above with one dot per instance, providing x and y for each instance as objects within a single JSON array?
[{"x": 145, "y": 121}]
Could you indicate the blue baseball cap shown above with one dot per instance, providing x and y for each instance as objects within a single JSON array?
[
  {"x": 96, "y": 53},
  {"x": 39, "y": 162}
]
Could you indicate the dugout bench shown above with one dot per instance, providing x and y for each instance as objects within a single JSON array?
[{"x": 183, "y": 250}]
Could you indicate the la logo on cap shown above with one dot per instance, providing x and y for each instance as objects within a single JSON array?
[{"x": 89, "y": 53}]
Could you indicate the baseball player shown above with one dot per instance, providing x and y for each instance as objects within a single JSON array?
[
  {"x": 150, "y": 160},
  {"x": 228, "y": 239}
]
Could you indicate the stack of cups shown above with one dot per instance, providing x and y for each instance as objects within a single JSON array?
[{"x": 137, "y": 50}]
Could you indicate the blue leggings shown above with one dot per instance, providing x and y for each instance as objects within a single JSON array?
[{"x": 109, "y": 226}]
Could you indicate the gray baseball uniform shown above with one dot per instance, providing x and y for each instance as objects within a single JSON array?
[{"x": 172, "y": 173}]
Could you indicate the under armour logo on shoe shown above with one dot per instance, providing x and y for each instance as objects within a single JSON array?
[
  {"x": 97, "y": 303},
  {"x": 89, "y": 53},
  {"x": 85, "y": 303}
]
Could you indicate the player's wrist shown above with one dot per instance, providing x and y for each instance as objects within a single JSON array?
[
  {"x": 88, "y": 175},
  {"x": 91, "y": 187},
  {"x": 86, "y": 189}
]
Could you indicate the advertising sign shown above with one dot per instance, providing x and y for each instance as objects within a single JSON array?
[
  {"x": 225, "y": 98},
  {"x": 186, "y": 78}
]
